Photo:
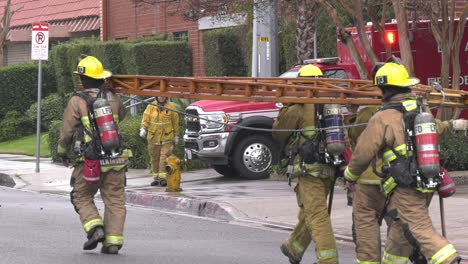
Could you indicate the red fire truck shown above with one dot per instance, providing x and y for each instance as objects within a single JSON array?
[{"x": 250, "y": 153}]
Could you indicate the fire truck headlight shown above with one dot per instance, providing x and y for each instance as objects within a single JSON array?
[{"x": 213, "y": 121}]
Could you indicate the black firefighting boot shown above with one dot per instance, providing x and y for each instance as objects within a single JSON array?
[
  {"x": 110, "y": 249},
  {"x": 163, "y": 183},
  {"x": 95, "y": 236},
  {"x": 154, "y": 183},
  {"x": 287, "y": 252}
]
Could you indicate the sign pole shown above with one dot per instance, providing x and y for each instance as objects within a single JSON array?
[
  {"x": 38, "y": 124},
  {"x": 40, "y": 52}
]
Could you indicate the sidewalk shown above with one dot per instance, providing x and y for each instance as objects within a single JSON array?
[{"x": 206, "y": 193}]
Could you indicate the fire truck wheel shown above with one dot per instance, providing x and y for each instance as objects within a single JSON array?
[
  {"x": 254, "y": 156},
  {"x": 225, "y": 170}
]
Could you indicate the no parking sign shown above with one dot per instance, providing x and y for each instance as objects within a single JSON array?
[{"x": 40, "y": 41}]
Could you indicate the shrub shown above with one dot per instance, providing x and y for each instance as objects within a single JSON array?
[
  {"x": 18, "y": 86},
  {"x": 15, "y": 125},
  {"x": 54, "y": 134},
  {"x": 223, "y": 53},
  {"x": 51, "y": 109},
  {"x": 452, "y": 156},
  {"x": 129, "y": 129}
]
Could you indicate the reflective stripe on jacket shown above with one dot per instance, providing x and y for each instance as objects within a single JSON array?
[
  {"x": 75, "y": 117},
  {"x": 384, "y": 131},
  {"x": 299, "y": 116},
  {"x": 162, "y": 125}
]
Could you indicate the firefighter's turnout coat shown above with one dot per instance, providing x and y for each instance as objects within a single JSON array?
[
  {"x": 314, "y": 184},
  {"x": 162, "y": 126},
  {"x": 112, "y": 179},
  {"x": 384, "y": 132}
]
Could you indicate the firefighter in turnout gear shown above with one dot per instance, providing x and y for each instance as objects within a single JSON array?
[
  {"x": 100, "y": 160},
  {"x": 160, "y": 126},
  {"x": 368, "y": 197},
  {"x": 387, "y": 136},
  {"x": 315, "y": 180}
]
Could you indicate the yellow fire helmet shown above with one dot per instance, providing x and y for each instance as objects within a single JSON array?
[
  {"x": 394, "y": 74},
  {"x": 92, "y": 67},
  {"x": 310, "y": 70}
]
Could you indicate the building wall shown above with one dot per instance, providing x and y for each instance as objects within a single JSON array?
[
  {"x": 129, "y": 21},
  {"x": 17, "y": 52}
]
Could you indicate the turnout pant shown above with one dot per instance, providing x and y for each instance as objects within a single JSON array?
[
  {"x": 111, "y": 187},
  {"x": 314, "y": 221},
  {"x": 159, "y": 154},
  {"x": 368, "y": 205},
  {"x": 412, "y": 210}
]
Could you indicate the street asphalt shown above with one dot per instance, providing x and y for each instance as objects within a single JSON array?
[{"x": 266, "y": 203}]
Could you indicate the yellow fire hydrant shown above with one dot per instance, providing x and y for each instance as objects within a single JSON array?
[{"x": 173, "y": 174}]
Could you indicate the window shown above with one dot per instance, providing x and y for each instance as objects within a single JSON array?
[{"x": 180, "y": 36}]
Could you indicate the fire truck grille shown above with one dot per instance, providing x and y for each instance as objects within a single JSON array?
[{"x": 192, "y": 122}]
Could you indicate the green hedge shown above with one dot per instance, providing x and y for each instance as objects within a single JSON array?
[
  {"x": 52, "y": 108},
  {"x": 121, "y": 57},
  {"x": 15, "y": 125},
  {"x": 163, "y": 58},
  {"x": 452, "y": 156},
  {"x": 54, "y": 134},
  {"x": 224, "y": 53},
  {"x": 18, "y": 86}
]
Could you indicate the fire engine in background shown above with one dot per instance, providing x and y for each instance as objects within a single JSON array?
[{"x": 235, "y": 151}]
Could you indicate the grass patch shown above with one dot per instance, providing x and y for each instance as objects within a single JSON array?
[{"x": 26, "y": 146}]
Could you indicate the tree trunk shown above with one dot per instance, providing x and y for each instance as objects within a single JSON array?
[
  {"x": 346, "y": 38},
  {"x": 5, "y": 28},
  {"x": 456, "y": 55},
  {"x": 361, "y": 29},
  {"x": 305, "y": 22},
  {"x": 403, "y": 39}
]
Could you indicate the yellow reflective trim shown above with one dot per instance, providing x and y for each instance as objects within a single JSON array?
[
  {"x": 114, "y": 240},
  {"x": 410, "y": 105},
  {"x": 401, "y": 148},
  {"x": 393, "y": 259},
  {"x": 349, "y": 175},
  {"x": 85, "y": 121},
  {"x": 107, "y": 168},
  {"x": 390, "y": 156},
  {"x": 367, "y": 262},
  {"x": 127, "y": 153},
  {"x": 327, "y": 254},
  {"x": 369, "y": 181},
  {"x": 116, "y": 118},
  {"x": 424, "y": 190},
  {"x": 160, "y": 123},
  {"x": 443, "y": 254},
  {"x": 88, "y": 226},
  {"x": 310, "y": 132},
  {"x": 389, "y": 185},
  {"x": 298, "y": 246}
]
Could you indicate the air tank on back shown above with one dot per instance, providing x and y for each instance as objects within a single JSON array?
[
  {"x": 335, "y": 136},
  {"x": 106, "y": 126},
  {"x": 427, "y": 146}
]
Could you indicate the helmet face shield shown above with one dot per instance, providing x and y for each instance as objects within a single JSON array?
[
  {"x": 310, "y": 70},
  {"x": 394, "y": 74},
  {"x": 92, "y": 68}
]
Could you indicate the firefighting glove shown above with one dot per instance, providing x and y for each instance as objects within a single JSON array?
[
  {"x": 176, "y": 140},
  {"x": 460, "y": 124},
  {"x": 142, "y": 132}
]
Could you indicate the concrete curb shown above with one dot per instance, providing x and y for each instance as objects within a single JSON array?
[
  {"x": 175, "y": 202},
  {"x": 6, "y": 180}
]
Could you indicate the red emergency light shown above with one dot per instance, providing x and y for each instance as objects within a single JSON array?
[{"x": 390, "y": 37}]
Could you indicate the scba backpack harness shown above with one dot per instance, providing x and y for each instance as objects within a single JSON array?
[
  {"x": 416, "y": 163},
  {"x": 102, "y": 140}
]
